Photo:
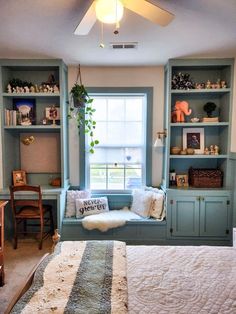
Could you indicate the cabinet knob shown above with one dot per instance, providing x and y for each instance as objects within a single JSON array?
[{"x": 203, "y": 198}]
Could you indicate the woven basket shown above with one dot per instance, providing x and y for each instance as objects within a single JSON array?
[{"x": 205, "y": 178}]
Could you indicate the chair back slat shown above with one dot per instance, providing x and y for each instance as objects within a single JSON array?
[{"x": 35, "y": 198}]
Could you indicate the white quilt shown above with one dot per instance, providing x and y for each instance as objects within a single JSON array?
[
  {"x": 108, "y": 220},
  {"x": 181, "y": 280}
]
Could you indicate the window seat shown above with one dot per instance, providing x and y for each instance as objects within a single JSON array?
[{"x": 142, "y": 231}]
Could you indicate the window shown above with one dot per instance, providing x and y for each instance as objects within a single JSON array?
[{"x": 120, "y": 160}]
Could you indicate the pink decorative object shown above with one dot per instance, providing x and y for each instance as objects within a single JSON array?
[{"x": 181, "y": 110}]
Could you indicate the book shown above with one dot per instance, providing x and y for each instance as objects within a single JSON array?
[{"x": 214, "y": 119}]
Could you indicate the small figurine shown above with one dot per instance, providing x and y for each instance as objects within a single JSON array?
[
  {"x": 18, "y": 89},
  {"x": 14, "y": 90},
  {"x": 216, "y": 150},
  {"x": 55, "y": 239},
  {"x": 218, "y": 85},
  {"x": 36, "y": 88},
  {"x": 55, "y": 89},
  {"x": 198, "y": 85},
  {"x": 9, "y": 90},
  {"x": 26, "y": 89},
  {"x": 32, "y": 89},
  {"x": 208, "y": 84},
  {"x": 212, "y": 151},
  {"x": 223, "y": 84},
  {"x": 206, "y": 151}
]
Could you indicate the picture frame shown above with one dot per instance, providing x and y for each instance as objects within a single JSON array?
[
  {"x": 182, "y": 180},
  {"x": 194, "y": 138},
  {"x": 26, "y": 111},
  {"x": 52, "y": 113},
  {"x": 19, "y": 177}
]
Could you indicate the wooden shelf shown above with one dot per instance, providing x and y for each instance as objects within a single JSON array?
[
  {"x": 30, "y": 95},
  {"x": 201, "y": 91},
  {"x": 33, "y": 127},
  {"x": 200, "y": 156},
  {"x": 199, "y": 124}
]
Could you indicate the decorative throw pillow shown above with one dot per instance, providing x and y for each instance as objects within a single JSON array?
[
  {"x": 142, "y": 202},
  {"x": 91, "y": 206},
  {"x": 71, "y": 196},
  {"x": 157, "y": 205}
]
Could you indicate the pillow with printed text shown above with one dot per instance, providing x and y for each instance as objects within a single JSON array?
[{"x": 91, "y": 206}]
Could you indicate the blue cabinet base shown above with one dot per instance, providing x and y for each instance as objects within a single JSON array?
[{"x": 133, "y": 233}]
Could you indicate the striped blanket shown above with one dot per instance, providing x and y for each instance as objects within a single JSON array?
[{"x": 79, "y": 277}]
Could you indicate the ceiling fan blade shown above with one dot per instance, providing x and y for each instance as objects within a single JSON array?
[
  {"x": 87, "y": 21},
  {"x": 150, "y": 11}
]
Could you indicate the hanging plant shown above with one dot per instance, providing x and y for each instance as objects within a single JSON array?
[{"x": 81, "y": 109}]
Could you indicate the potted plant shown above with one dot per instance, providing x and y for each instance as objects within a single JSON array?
[
  {"x": 209, "y": 107},
  {"x": 81, "y": 109}
]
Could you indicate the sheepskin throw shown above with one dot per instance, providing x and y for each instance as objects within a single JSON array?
[{"x": 108, "y": 220}]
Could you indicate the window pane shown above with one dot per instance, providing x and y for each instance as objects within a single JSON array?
[
  {"x": 116, "y": 109},
  {"x": 100, "y": 104},
  {"x": 115, "y": 179},
  {"x": 133, "y": 178},
  {"x": 134, "y": 134},
  {"x": 134, "y": 109},
  {"x": 133, "y": 155},
  {"x": 97, "y": 178},
  {"x": 115, "y": 133},
  {"x": 100, "y": 132}
]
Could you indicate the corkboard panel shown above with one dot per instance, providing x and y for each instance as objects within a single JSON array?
[{"x": 43, "y": 155}]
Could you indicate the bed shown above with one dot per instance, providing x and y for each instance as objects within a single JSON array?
[{"x": 132, "y": 279}]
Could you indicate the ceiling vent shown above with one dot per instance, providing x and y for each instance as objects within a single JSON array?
[{"x": 127, "y": 45}]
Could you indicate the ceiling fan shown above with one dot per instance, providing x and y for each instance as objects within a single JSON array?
[{"x": 111, "y": 12}]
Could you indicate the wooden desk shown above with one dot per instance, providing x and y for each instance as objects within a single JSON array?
[
  {"x": 2, "y": 204},
  {"x": 49, "y": 193}
]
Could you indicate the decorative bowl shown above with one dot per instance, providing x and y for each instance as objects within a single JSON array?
[
  {"x": 194, "y": 120},
  {"x": 183, "y": 152},
  {"x": 175, "y": 150},
  {"x": 190, "y": 151}
]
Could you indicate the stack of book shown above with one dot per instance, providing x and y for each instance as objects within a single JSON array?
[
  {"x": 207, "y": 119},
  {"x": 10, "y": 117}
]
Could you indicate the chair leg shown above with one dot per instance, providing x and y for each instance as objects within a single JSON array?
[
  {"x": 25, "y": 226},
  {"x": 41, "y": 233},
  {"x": 15, "y": 235}
]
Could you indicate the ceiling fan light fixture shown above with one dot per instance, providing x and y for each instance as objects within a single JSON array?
[{"x": 109, "y": 11}]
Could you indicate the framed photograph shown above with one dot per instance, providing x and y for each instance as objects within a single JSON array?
[
  {"x": 26, "y": 113},
  {"x": 19, "y": 177},
  {"x": 182, "y": 180},
  {"x": 194, "y": 138},
  {"x": 52, "y": 113}
]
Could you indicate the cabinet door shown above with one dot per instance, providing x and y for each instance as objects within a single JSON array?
[
  {"x": 185, "y": 216},
  {"x": 214, "y": 216}
]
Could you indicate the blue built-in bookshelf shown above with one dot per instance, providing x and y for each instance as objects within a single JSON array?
[
  {"x": 199, "y": 213},
  {"x": 43, "y": 94}
]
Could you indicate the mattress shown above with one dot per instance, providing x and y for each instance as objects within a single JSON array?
[{"x": 174, "y": 279}]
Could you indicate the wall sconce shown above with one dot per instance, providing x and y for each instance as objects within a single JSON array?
[
  {"x": 159, "y": 142},
  {"x": 28, "y": 140}
]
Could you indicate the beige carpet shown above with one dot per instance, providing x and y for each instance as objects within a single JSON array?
[{"x": 18, "y": 265}]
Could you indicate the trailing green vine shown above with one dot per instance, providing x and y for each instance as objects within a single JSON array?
[{"x": 81, "y": 109}]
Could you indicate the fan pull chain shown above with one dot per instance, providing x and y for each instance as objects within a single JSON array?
[{"x": 102, "y": 45}]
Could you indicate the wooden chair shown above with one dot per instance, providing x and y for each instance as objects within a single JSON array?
[{"x": 30, "y": 209}]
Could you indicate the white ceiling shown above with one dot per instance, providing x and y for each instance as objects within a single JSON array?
[{"x": 44, "y": 29}]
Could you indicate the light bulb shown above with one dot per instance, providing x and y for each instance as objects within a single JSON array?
[{"x": 109, "y": 11}]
